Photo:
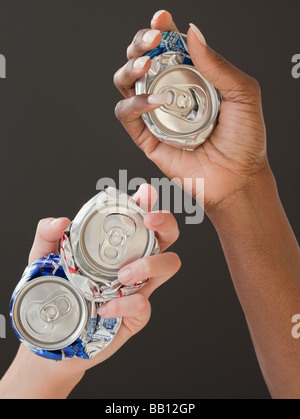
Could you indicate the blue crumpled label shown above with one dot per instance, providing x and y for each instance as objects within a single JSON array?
[
  {"x": 48, "y": 266},
  {"x": 171, "y": 41}
]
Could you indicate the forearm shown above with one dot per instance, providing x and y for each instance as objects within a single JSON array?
[
  {"x": 32, "y": 377},
  {"x": 264, "y": 261}
]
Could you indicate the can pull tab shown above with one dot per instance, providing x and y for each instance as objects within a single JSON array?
[
  {"x": 119, "y": 229},
  {"x": 55, "y": 309},
  {"x": 184, "y": 101}
]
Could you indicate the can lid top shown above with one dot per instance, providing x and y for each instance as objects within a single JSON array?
[
  {"x": 49, "y": 313},
  {"x": 108, "y": 233},
  {"x": 111, "y": 240},
  {"x": 192, "y": 102}
]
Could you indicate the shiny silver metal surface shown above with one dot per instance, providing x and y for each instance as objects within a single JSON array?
[
  {"x": 110, "y": 239},
  {"x": 49, "y": 313},
  {"x": 190, "y": 114},
  {"x": 107, "y": 234}
]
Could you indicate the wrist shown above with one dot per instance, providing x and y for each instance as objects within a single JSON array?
[
  {"x": 33, "y": 377},
  {"x": 258, "y": 192}
]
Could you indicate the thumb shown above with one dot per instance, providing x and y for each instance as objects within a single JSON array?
[
  {"x": 232, "y": 83},
  {"x": 49, "y": 232}
]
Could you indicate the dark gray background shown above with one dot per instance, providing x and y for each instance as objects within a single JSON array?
[{"x": 59, "y": 136}]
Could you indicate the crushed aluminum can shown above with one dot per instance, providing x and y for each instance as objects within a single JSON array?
[
  {"x": 107, "y": 234},
  {"x": 54, "y": 307},
  {"x": 190, "y": 115},
  {"x": 51, "y": 317}
]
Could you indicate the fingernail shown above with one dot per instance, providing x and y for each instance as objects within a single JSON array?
[
  {"x": 198, "y": 34},
  {"x": 55, "y": 221},
  {"x": 158, "y": 99},
  {"x": 47, "y": 220},
  {"x": 125, "y": 275},
  {"x": 156, "y": 219},
  {"x": 140, "y": 62},
  {"x": 157, "y": 14},
  {"x": 149, "y": 36}
]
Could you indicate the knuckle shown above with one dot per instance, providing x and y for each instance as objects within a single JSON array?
[
  {"x": 254, "y": 85},
  {"x": 116, "y": 78},
  {"x": 250, "y": 90},
  {"x": 119, "y": 110},
  {"x": 128, "y": 51},
  {"x": 140, "y": 303},
  {"x": 137, "y": 324},
  {"x": 177, "y": 233},
  {"x": 139, "y": 36},
  {"x": 176, "y": 261},
  {"x": 220, "y": 61},
  {"x": 148, "y": 317},
  {"x": 135, "y": 47},
  {"x": 137, "y": 44},
  {"x": 174, "y": 231}
]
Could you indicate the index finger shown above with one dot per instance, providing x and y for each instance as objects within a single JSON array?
[
  {"x": 163, "y": 21},
  {"x": 148, "y": 39},
  {"x": 165, "y": 226},
  {"x": 162, "y": 222}
]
